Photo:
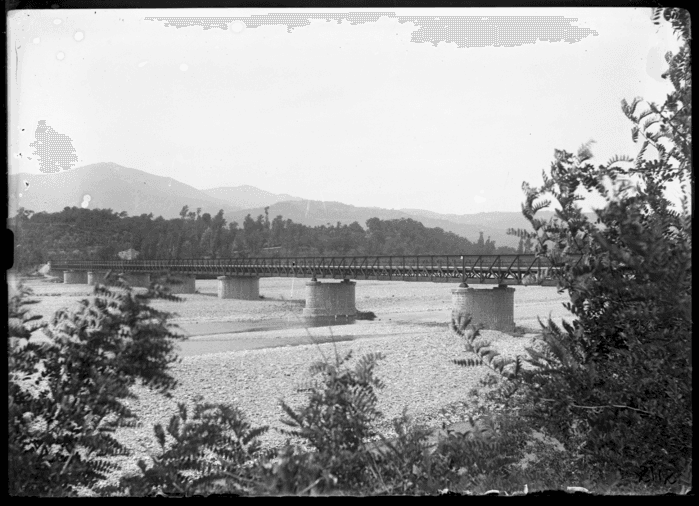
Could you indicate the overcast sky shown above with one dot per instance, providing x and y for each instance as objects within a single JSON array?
[{"x": 356, "y": 113}]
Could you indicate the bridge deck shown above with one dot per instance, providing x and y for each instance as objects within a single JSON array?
[{"x": 492, "y": 269}]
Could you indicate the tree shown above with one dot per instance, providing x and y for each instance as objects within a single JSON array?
[
  {"x": 206, "y": 245},
  {"x": 217, "y": 227},
  {"x": 254, "y": 234},
  {"x": 376, "y": 235},
  {"x": 107, "y": 252},
  {"x": 617, "y": 382},
  {"x": 277, "y": 231}
]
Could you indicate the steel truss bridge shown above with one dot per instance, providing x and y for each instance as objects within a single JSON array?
[{"x": 469, "y": 269}]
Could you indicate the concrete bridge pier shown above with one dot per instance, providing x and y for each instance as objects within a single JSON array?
[
  {"x": 187, "y": 285},
  {"x": 141, "y": 279},
  {"x": 330, "y": 299},
  {"x": 75, "y": 277},
  {"x": 239, "y": 287},
  {"x": 94, "y": 277},
  {"x": 494, "y": 308}
]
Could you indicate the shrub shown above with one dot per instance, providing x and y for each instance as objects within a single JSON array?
[
  {"x": 65, "y": 397},
  {"x": 615, "y": 385},
  {"x": 211, "y": 452},
  {"x": 336, "y": 421}
]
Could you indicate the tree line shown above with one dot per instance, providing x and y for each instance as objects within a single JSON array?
[{"x": 100, "y": 234}]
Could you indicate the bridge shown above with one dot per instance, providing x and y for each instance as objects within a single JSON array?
[
  {"x": 239, "y": 278},
  {"x": 489, "y": 269}
]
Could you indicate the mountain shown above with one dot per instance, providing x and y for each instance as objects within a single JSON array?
[
  {"x": 314, "y": 212},
  {"x": 109, "y": 186},
  {"x": 493, "y": 223},
  {"x": 248, "y": 196}
]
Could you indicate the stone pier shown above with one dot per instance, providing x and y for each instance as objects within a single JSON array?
[
  {"x": 494, "y": 308},
  {"x": 330, "y": 299},
  {"x": 75, "y": 277},
  {"x": 187, "y": 285},
  {"x": 94, "y": 277},
  {"x": 141, "y": 279},
  {"x": 243, "y": 288}
]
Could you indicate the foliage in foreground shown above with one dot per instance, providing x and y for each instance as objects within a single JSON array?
[
  {"x": 65, "y": 394},
  {"x": 616, "y": 383},
  {"x": 209, "y": 452}
]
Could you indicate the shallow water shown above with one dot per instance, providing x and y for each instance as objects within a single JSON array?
[
  {"x": 213, "y": 344},
  {"x": 221, "y": 337},
  {"x": 210, "y": 328}
]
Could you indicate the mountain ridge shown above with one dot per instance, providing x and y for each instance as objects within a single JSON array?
[
  {"x": 112, "y": 186},
  {"x": 107, "y": 185},
  {"x": 246, "y": 196}
]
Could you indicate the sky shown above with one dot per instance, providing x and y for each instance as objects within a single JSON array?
[{"x": 389, "y": 109}]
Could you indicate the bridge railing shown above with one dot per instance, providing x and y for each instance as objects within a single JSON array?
[{"x": 484, "y": 268}]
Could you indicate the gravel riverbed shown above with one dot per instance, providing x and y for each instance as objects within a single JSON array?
[{"x": 417, "y": 370}]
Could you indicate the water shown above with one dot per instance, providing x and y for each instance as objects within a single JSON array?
[
  {"x": 225, "y": 344},
  {"x": 211, "y": 328},
  {"x": 216, "y": 336}
]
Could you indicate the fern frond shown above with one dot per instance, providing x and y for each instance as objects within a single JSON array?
[
  {"x": 634, "y": 133},
  {"x": 468, "y": 362},
  {"x": 617, "y": 159},
  {"x": 629, "y": 109},
  {"x": 520, "y": 232},
  {"x": 648, "y": 122},
  {"x": 540, "y": 205},
  {"x": 307, "y": 385}
]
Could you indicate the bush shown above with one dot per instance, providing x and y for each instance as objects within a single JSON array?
[
  {"x": 336, "y": 422},
  {"x": 65, "y": 397},
  {"x": 211, "y": 452},
  {"x": 615, "y": 385}
]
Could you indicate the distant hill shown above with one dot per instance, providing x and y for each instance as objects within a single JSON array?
[
  {"x": 314, "y": 212},
  {"x": 494, "y": 223},
  {"x": 109, "y": 186},
  {"x": 248, "y": 196}
]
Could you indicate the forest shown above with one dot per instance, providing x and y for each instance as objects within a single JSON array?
[{"x": 100, "y": 234}]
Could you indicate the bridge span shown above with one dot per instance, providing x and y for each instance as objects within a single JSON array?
[{"x": 239, "y": 278}]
